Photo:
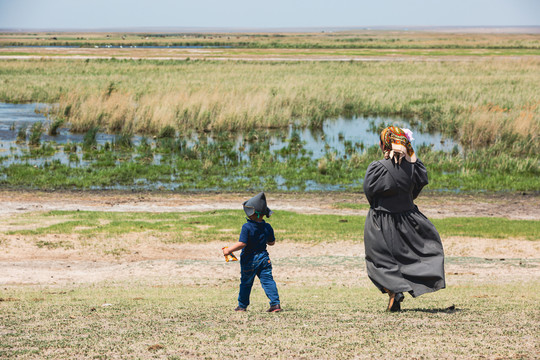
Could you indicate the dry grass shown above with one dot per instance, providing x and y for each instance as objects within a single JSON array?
[
  {"x": 339, "y": 39},
  {"x": 480, "y": 103},
  {"x": 135, "y": 294},
  {"x": 193, "y": 322}
]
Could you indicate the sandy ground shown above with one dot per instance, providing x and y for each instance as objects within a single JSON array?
[
  {"x": 468, "y": 260},
  {"x": 149, "y": 260},
  {"x": 369, "y": 55},
  {"x": 511, "y": 206}
]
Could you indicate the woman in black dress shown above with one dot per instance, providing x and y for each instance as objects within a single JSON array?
[{"x": 404, "y": 252}]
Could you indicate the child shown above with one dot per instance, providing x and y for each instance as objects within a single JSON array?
[{"x": 254, "y": 260}]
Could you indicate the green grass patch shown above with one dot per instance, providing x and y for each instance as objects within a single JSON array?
[
  {"x": 223, "y": 225},
  {"x": 353, "y": 206},
  {"x": 207, "y": 166},
  {"x": 195, "y": 322},
  {"x": 488, "y": 227},
  {"x": 54, "y": 244}
]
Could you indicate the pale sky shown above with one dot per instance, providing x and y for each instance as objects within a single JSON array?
[{"x": 96, "y": 14}]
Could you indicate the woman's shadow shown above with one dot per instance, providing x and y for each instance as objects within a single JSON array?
[{"x": 449, "y": 310}]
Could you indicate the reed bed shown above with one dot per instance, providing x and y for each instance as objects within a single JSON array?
[
  {"x": 481, "y": 104},
  {"x": 359, "y": 39}
]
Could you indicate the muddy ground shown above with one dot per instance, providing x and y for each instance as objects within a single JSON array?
[{"x": 153, "y": 261}]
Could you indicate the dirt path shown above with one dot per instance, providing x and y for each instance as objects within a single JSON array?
[
  {"x": 467, "y": 260},
  {"x": 511, "y": 206},
  {"x": 150, "y": 260},
  {"x": 272, "y": 55},
  {"x": 275, "y": 58}
]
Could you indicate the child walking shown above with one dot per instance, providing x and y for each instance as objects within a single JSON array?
[{"x": 254, "y": 259}]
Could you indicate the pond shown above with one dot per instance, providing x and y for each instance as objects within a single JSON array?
[
  {"x": 338, "y": 138},
  {"x": 122, "y": 46}
]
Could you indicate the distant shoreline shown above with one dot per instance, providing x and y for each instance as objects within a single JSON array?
[{"x": 531, "y": 29}]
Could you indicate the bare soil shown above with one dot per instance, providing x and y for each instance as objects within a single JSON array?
[
  {"x": 397, "y": 55},
  {"x": 511, "y": 206},
  {"x": 141, "y": 258}
]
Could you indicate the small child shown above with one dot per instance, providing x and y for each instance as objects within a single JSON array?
[{"x": 254, "y": 259}]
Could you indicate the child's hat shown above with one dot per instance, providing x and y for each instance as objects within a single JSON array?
[{"x": 257, "y": 204}]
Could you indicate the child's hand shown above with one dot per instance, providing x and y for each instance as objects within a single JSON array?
[{"x": 229, "y": 256}]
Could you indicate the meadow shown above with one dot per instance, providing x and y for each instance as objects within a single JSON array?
[
  {"x": 192, "y": 322},
  {"x": 198, "y": 227},
  {"x": 134, "y": 274},
  {"x": 354, "y": 39},
  {"x": 153, "y": 285},
  {"x": 217, "y": 164},
  {"x": 476, "y": 89},
  {"x": 485, "y": 104}
]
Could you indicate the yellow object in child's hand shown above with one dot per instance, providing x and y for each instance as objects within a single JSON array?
[{"x": 229, "y": 257}]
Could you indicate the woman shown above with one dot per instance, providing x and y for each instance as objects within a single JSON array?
[{"x": 403, "y": 249}]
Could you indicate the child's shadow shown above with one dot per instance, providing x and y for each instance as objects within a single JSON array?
[{"x": 449, "y": 310}]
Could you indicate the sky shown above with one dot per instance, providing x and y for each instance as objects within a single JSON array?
[{"x": 106, "y": 14}]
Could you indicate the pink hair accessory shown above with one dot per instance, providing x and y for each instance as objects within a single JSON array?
[{"x": 408, "y": 134}]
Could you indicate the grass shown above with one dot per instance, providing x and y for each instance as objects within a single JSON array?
[
  {"x": 353, "y": 39},
  {"x": 187, "y": 322},
  {"x": 223, "y": 224},
  {"x": 55, "y": 125},
  {"x": 480, "y": 104},
  {"x": 35, "y": 134},
  {"x": 352, "y": 206},
  {"x": 489, "y": 105},
  {"x": 183, "y": 309},
  {"x": 218, "y": 165}
]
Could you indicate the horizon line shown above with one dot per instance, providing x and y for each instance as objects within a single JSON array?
[{"x": 246, "y": 29}]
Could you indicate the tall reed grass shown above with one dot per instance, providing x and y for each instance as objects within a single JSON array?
[
  {"x": 363, "y": 39},
  {"x": 491, "y": 103}
]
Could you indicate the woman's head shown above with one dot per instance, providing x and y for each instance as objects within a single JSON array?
[{"x": 396, "y": 143}]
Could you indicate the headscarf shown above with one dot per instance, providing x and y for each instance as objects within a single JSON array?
[{"x": 396, "y": 143}]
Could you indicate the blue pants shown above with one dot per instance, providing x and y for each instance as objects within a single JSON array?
[{"x": 257, "y": 265}]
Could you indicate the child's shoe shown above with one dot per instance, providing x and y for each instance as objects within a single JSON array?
[
  {"x": 274, "y": 308},
  {"x": 239, "y": 308}
]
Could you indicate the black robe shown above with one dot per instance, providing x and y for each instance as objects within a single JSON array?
[{"x": 403, "y": 249}]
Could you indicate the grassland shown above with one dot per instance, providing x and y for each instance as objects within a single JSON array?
[
  {"x": 181, "y": 308},
  {"x": 219, "y": 165},
  {"x": 95, "y": 284},
  {"x": 200, "y": 226},
  {"x": 361, "y": 39},
  {"x": 180, "y": 322},
  {"x": 480, "y": 104},
  {"x": 487, "y": 103}
]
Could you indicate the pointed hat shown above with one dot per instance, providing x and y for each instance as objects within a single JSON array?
[{"x": 257, "y": 204}]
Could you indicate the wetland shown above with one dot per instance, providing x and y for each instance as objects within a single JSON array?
[{"x": 302, "y": 124}]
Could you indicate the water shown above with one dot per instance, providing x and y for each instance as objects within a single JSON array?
[
  {"x": 339, "y": 136},
  {"x": 359, "y": 130},
  {"x": 123, "y": 46},
  {"x": 335, "y": 134}
]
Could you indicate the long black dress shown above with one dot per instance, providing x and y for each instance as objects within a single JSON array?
[{"x": 403, "y": 249}]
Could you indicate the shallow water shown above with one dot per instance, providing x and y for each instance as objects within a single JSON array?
[
  {"x": 120, "y": 47},
  {"x": 336, "y": 136}
]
